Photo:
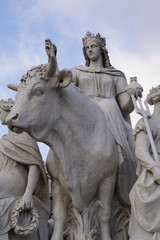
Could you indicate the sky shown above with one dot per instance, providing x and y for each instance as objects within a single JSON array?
[{"x": 131, "y": 29}]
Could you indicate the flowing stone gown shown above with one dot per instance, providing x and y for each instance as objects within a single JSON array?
[{"x": 103, "y": 87}]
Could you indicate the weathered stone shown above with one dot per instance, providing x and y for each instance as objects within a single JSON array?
[{"x": 91, "y": 161}]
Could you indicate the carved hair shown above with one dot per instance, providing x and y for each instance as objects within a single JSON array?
[
  {"x": 38, "y": 72},
  {"x": 101, "y": 42},
  {"x": 154, "y": 95}
]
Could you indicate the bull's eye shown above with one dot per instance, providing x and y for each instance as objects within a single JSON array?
[{"x": 38, "y": 92}]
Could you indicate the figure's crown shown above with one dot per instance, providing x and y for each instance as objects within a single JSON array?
[
  {"x": 154, "y": 93},
  {"x": 154, "y": 89},
  {"x": 6, "y": 105},
  {"x": 5, "y": 108},
  {"x": 97, "y": 37}
]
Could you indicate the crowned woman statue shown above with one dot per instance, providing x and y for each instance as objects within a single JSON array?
[{"x": 108, "y": 88}]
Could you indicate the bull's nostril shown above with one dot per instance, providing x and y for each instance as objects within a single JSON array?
[
  {"x": 15, "y": 117},
  {"x": 11, "y": 117}
]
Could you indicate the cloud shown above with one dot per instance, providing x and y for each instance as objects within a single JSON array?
[
  {"x": 146, "y": 69},
  {"x": 27, "y": 52}
]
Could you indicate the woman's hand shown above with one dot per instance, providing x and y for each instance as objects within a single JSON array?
[
  {"x": 50, "y": 48},
  {"x": 26, "y": 201},
  {"x": 134, "y": 88},
  {"x": 156, "y": 173}
]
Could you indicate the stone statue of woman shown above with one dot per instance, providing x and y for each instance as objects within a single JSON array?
[
  {"x": 23, "y": 186},
  {"x": 145, "y": 195},
  {"x": 108, "y": 88}
]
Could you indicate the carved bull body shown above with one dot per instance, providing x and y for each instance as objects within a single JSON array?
[{"x": 83, "y": 162}]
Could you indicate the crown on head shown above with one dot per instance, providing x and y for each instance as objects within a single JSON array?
[
  {"x": 153, "y": 95},
  {"x": 6, "y": 105},
  {"x": 5, "y": 108},
  {"x": 97, "y": 37}
]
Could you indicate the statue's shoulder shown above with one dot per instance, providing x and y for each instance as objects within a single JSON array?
[
  {"x": 140, "y": 126},
  {"x": 78, "y": 71},
  {"x": 117, "y": 74}
]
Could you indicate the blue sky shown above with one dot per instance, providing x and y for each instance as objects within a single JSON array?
[{"x": 131, "y": 28}]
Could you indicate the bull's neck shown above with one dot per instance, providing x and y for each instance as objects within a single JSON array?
[
  {"x": 58, "y": 133},
  {"x": 77, "y": 116}
]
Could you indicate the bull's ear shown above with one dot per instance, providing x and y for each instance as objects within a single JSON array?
[
  {"x": 14, "y": 87},
  {"x": 65, "y": 77}
]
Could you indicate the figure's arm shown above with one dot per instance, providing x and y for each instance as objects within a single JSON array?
[
  {"x": 125, "y": 102},
  {"x": 124, "y": 92},
  {"x": 142, "y": 153},
  {"x": 51, "y": 50},
  {"x": 74, "y": 77},
  {"x": 33, "y": 177}
]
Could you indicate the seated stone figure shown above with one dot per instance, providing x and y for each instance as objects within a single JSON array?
[
  {"x": 23, "y": 186},
  {"x": 145, "y": 195}
]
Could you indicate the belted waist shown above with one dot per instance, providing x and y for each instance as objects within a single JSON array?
[{"x": 98, "y": 96}]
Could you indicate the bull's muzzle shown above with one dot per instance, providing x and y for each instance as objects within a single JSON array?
[{"x": 11, "y": 122}]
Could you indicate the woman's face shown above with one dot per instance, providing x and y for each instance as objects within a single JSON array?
[{"x": 93, "y": 51}]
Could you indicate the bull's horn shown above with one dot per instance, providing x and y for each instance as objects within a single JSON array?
[{"x": 14, "y": 87}]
